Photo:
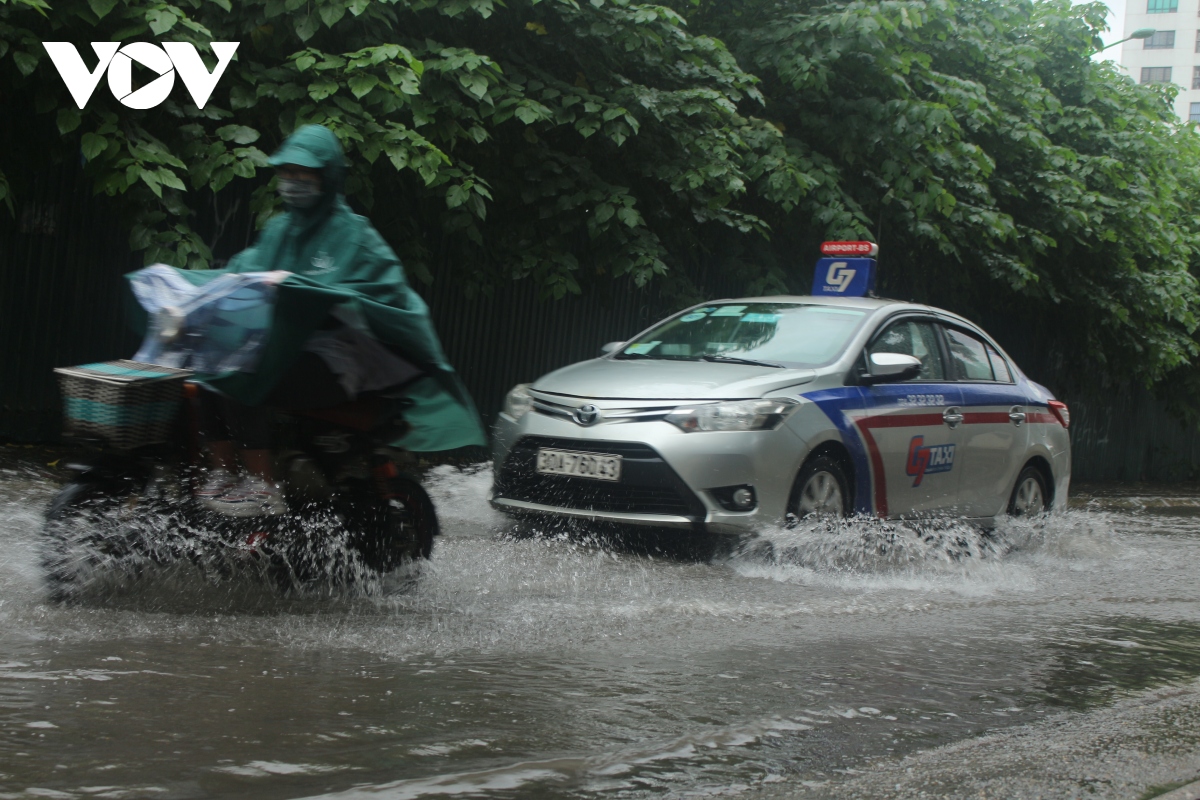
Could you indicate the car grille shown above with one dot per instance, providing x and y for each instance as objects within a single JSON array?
[
  {"x": 649, "y": 413},
  {"x": 647, "y": 486}
]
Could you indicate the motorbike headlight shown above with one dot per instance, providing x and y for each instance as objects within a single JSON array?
[
  {"x": 740, "y": 415},
  {"x": 518, "y": 401}
]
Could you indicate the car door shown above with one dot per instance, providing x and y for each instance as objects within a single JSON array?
[
  {"x": 995, "y": 436},
  {"x": 910, "y": 428}
]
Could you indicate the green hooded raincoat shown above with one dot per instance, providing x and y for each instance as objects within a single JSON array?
[{"x": 337, "y": 257}]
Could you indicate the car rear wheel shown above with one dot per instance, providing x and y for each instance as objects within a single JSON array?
[
  {"x": 1029, "y": 496},
  {"x": 821, "y": 490}
]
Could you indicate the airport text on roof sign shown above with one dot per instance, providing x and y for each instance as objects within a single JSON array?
[
  {"x": 845, "y": 277},
  {"x": 865, "y": 249}
]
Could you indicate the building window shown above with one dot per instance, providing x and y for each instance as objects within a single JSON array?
[
  {"x": 1162, "y": 6},
  {"x": 1198, "y": 41},
  {"x": 1196, "y": 77},
  {"x": 1194, "y": 113},
  {"x": 1161, "y": 40},
  {"x": 1156, "y": 74}
]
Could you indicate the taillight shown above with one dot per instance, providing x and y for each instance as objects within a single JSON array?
[{"x": 1061, "y": 412}]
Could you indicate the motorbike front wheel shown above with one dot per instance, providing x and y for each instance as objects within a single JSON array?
[{"x": 87, "y": 533}]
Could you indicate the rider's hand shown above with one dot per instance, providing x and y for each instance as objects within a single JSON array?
[{"x": 277, "y": 276}]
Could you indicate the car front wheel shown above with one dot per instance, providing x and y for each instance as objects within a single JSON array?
[{"x": 821, "y": 490}]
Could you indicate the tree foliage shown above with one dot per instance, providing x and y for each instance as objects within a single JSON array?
[
  {"x": 1004, "y": 173},
  {"x": 533, "y": 138}
]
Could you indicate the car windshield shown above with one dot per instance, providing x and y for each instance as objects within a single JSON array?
[{"x": 774, "y": 334}]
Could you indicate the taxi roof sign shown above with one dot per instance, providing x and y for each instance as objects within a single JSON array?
[
  {"x": 844, "y": 277},
  {"x": 861, "y": 249}
]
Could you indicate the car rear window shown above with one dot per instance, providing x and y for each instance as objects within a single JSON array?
[
  {"x": 998, "y": 365},
  {"x": 969, "y": 355},
  {"x": 782, "y": 333}
]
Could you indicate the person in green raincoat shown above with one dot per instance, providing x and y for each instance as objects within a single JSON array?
[{"x": 345, "y": 321}]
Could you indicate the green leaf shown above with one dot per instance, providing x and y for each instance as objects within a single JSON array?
[
  {"x": 244, "y": 168},
  {"x": 68, "y": 118},
  {"x": 92, "y": 145},
  {"x": 603, "y": 213},
  {"x": 306, "y": 27},
  {"x": 241, "y": 97},
  {"x": 357, "y": 7},
  {"x": 305, "y": 61},
  {"x": 398, "y": 155},
  {"x": 140, "y": 237},
  {"x": 170, "y": 179},
  {"x": 319, "y": 90},
  {"x": 101, "y": 8},
  {"x": 529, "y": 114},
  {"x": 361, "y": 85},
  {"x": 477, "y": 206},
  {"x": 241, "y": 134},
  {"x": 332, "y": 11},
  {"x": 131, "y": 31},
  {"x": 151, "y": 179},
  {"x": 457, "y": 195},
  {"x": 629, "y": 216},
  {"x": 161, "y": 20},
  {"x": 477, "y": 85},
  {"x": 25, "y": 62},
  {"x": 252, "y": 154}
]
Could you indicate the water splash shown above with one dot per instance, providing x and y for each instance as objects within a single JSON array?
[{"x": 933, "y": 554}]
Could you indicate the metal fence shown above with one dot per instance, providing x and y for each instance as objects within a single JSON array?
[
  {"x": 61, "y": 261},
  {"x": 62, "y": 255},
  {"x": 61, "y": 258}
]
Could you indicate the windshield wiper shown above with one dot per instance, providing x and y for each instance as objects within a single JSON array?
[{"x": 736, "y": 360}]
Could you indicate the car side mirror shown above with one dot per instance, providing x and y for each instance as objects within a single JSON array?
[
  {"x": 610, "y": 347},
  {"x": 889, "y": 367}
]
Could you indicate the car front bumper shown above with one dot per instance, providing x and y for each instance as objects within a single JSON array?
[{"x": 668, "y": 476}]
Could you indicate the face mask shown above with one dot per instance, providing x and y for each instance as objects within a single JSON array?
[{"x": 299, "y": 194}]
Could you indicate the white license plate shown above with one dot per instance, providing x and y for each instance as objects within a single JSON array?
[{"x": 583, "y": 465}]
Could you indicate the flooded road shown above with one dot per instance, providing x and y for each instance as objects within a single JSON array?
[{"x": 543, "y": 667}]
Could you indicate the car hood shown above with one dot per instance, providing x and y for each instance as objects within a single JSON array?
[{"x": 668, "y": 380}]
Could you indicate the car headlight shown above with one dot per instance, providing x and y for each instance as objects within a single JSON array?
[
  {"x": 741, "y": 415},
  {"x": 519, "y": 401}
]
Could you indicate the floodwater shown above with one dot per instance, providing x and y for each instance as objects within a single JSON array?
[{"x": 545, "y": 666}]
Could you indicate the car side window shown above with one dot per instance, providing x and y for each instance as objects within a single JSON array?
[
  {"x": 913, "y": 338},
  {"x": 969, "y": 356},
  {"x": 998, "y": 366}
]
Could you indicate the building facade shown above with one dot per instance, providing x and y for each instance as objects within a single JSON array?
[{"x": 1172, "y": 54}]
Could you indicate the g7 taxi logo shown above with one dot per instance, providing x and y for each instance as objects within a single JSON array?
[
  {"x": 839, "y": 276},
  {"x": 925, "y": 460}
]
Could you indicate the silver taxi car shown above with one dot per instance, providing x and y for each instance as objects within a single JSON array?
[{"x": 736, "y": 414}]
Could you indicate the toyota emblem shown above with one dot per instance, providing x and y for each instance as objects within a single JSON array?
[{"x": 587, "y": 415}]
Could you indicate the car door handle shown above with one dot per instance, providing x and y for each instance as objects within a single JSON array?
[
  {"x": 952, "y": 416},
  {"x": 1017, "y": 415}
]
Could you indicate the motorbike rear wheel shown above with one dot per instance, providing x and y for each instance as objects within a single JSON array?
[
  {"x": 398, "y": 529},
  {"x": 369, "y": 536}
]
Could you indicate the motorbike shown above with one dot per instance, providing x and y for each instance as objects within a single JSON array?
[{"x": 355, "y": 506}]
